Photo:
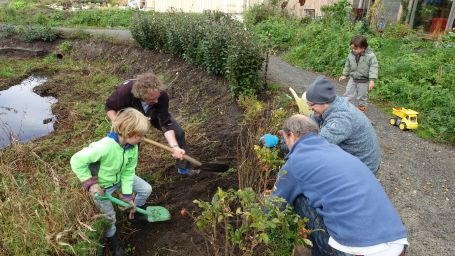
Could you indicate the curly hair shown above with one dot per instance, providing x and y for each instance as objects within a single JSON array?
[
  {"x": 359, "y": 41},
  {"x": 130, "y": 122},
  {"x": 144, "y": 83}
]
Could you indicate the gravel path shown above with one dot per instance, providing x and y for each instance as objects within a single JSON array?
[{"x": 417, "y": 175}]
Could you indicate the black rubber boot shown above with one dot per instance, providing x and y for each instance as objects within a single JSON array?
[{"x": 114, "y": 246}]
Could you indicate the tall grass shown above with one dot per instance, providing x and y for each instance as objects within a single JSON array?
[{"x": 40, "y": 212}]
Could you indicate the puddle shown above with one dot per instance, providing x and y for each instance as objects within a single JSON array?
[{"x": 25, "y": 114}]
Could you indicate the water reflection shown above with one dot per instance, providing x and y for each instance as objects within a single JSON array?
[{"x": 23, "y": 113}]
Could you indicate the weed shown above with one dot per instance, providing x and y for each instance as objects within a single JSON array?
[
  {"x": 65, "y": 47},
  {"x": 7, "y": 30},
  {"x": 240, "y": 222},
  {"x": 39, "y": 33}
]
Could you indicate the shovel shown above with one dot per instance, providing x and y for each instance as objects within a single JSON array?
[
  {"x": 153, "y": 213},
  {"x": 211, "y": 167}
]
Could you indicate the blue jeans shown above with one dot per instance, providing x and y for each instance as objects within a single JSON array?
[
  {"x": 319, "y": 238},
  {"x": 142, "y": 189}
]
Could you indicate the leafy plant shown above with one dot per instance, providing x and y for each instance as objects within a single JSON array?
[
  {"x": 7, "y": 30},
  {"x": 39, "y": 33},
  {"x": 217, "y": 43},
  {"x": 65, "y": 46},
  {"x": 241, "y": 222},
  {"x": 259, "y": 13}
]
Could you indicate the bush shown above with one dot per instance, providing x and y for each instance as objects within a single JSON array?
[
  {"x": 247, "y": 227},
  {"x": 259, "y": 13},
  {"x": 397, "y": 30},
  {"x": 7, "y": 30},
  {"x": 39, "y": 33},
  {"x": 279, "y": 33},
  {"x": 217, "y": 43}
]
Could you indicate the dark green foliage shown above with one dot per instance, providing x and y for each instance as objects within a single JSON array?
[
  {"x": 278, "y": 32},
  {"x": 217, "y": 43},
  {"x": 39, "y": 33},
  {"x": 7, "y": 30}
]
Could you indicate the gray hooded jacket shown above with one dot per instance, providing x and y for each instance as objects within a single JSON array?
[{"x": 366, "y": 69}]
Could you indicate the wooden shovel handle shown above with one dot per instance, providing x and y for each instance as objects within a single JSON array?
[{"x": 162, "y": 146}]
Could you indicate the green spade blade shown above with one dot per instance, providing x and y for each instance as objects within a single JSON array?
[{"x": 153, "y": 213}]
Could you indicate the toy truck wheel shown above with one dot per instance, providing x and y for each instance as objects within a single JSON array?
[
  {"x": 392, "y": 121},
  {"x": 402, "y": 126}
]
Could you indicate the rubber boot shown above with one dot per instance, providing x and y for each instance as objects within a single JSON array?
[
  {"x": 362, "y": 108},
  {"x": 114, "y": 246}
]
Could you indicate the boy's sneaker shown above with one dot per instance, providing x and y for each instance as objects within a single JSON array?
[{"x": 185, "y": 171}]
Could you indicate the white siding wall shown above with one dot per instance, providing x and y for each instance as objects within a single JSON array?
[{"x": 199, "y": 6}]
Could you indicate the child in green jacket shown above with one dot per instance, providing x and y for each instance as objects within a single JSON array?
[
  {"x": 362, "y": 69},
  {"x": 109, "y": 164}
]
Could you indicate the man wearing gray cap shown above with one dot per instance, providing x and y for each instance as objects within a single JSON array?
[{"x": 341, "y": 123}]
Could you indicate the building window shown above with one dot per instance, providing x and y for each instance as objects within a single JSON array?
[
  {"x": 310, "y": 13},
  {"x": 431, "y": 15}
]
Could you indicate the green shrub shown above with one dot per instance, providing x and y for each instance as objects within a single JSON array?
[
  {"x": 259, "y": 13},
  {"x": 65, "y": 47},
  {"x": 246, "y": 226},
  {"x": 7, "y": 30},
  {"x": 277, "y": 32},
  {"x": 217, "y": 43},
  {"x": 39, "y": 33},
  {"x": 397, "y": 30}
]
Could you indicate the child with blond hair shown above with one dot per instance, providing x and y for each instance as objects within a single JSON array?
[{"x": 109, "y": 164}]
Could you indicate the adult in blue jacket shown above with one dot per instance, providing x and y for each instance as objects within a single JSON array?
[
  {"x": 338, "y": 195},
  {"x": 343, "y": 124}
]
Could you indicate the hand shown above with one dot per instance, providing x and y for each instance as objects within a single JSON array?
[
  {"x": 95, "y": 188},
  {"x": 371, "y": 85},
  {"x": 269, "y": 140},
  {"x": 178, "y": 153},
  {"x": 131, "y": 208},
  {"x": 342, "y": 78}
]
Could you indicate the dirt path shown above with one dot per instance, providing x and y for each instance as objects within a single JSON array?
[{"x": 417, "y": 175}]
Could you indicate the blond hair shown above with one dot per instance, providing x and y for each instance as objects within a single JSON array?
[
  {"x": 144, "y": 84},
  {"x": 130, "y": 122}
]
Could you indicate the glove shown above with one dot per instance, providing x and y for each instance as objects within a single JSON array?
[
  {"x": 269, "y": 140},
  {"x": 95, "y": 188}
]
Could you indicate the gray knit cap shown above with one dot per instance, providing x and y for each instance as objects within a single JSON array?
[{"x": 321, "y": 91}]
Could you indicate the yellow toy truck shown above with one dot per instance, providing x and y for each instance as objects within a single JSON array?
[{"x": 404, "y": 118}]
